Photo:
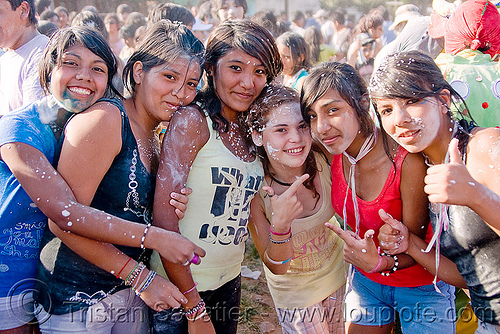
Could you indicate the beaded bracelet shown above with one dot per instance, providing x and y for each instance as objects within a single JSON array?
[
  {"x": 394, "y": 268},
  {"x": 276, "y": 262},
  {"x": 136, "y": 283},
  {"x": 144, "y": 235},
  {"x": 278, "y": 233},
  {"x": 194, "y": 310},
  {"x": 279, "y": 242},
  {"x": 146, "y": 282},
  {"x": 139, "y": 267},
  {"x": 118, "y": 275}
]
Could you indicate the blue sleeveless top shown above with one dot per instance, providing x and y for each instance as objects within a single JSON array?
[{"x": 67, "y": 282}]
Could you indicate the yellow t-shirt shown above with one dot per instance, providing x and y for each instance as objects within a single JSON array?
[{"x": 317, "y": 268}]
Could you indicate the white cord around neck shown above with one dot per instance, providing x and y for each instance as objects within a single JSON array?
[{"x": 368, "y": 145}]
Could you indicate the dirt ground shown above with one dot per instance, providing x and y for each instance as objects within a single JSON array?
[{"x": 257, "y": 313}]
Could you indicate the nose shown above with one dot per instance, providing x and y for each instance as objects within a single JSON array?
[
  {"x": 322, "y": 125},
  {"x": 295, "y": 136},
  {"x": 180, "y": 92},
  {"x": 401, "y": 116},
  {"x": 83, "y": 74},
  {"x": 246, "y": 80}
]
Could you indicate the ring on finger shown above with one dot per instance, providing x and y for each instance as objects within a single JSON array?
[
  {"x": 186, "y": 263},
  {"x": 195, "y": 259}
]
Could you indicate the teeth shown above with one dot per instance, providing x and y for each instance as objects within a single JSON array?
[
  {"x": 81, "y": 91},
  {"x": 296, "y": 150}
]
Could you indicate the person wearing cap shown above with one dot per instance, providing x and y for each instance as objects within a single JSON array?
[
  {"x": 403, "y": 14},
  {"x": 471, "y": 44}
]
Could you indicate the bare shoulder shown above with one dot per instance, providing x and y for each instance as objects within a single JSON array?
[
  {"x": 483, "y": 153},
  {"x": 187, "y": 126},
  {"x": 100, "y": 116}
]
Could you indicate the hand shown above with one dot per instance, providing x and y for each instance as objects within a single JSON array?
[
  {"x": 161, "y": 294},
  {"x": 393, "y": 236},
  {"x": 360, "y": 252},
  {"x": 450, "y": 183},
  {"x": 179, "y": 201},
  {"x": 175, "y": 248},
  {"x": 285, "y": 207}
]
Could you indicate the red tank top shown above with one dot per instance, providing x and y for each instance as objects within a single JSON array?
[{"x": 389, "y": 199}]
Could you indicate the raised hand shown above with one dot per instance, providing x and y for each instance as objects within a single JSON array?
[
  {"x": 450, "y": 183},
  {"x": 393, "y": 236},
  {"x": 285, "y": 207},
  {"x": 361, "y": 252}
]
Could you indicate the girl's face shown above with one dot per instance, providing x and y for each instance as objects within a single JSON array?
[
  {"x": 413, "y": 123},
  {"x": 333, "y": 122},
  {"x": 81, "y": 79},
  {"x": 286, "y": 59},
  {"x": 231, "y": 11},
  {"x": 63, "y": 19},
  {"x": 165, "y": 88},
  {"x": 238, "y": 80},
  {"x": 286, "y": 136}
]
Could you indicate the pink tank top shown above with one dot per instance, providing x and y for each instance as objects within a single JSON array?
[{"x": 389, "y": 199}]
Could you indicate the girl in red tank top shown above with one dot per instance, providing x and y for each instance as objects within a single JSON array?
[{"x": 371, "y": 172}]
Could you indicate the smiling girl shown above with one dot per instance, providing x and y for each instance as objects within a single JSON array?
[
  {"x": 204, "y": 148},
  {"x": 109, "y": 158},
  {"x": 369, "y": 172},
  {"x": 303, "y": 258},
  {"x": 413, "y": 102}
]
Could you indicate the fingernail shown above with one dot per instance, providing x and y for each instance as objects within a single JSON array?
[
  {"x": 184, "y": 301},
  {"x": 173, "y": 195}
]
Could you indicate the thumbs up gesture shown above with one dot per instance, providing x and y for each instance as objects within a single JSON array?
[
  {"x": 287, "y": 206},
  {"x": 449, "y": 183}
]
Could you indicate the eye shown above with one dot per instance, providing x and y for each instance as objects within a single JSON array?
[
  {"x": 193, "y": 84},
  {"x": 385, "y": 111},
  {"x": 99, "y": 69},
  {"x": 311, "y": 116},
  {"x": 332, "y": 111},
  {"x": 169, "y": 76},
  {"x": 261, "y": 72},
  {"x": 413, "y": 101},
  {"x": 69, "y": 63},
  {"x": 304, "y": 126},
  {"x": 235, "y": 67}
]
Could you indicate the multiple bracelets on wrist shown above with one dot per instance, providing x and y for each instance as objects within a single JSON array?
[
  {"x": 133, "y": 278},
  {"x": 394, "y": 268},
  {"x": 196, "y": 312}
]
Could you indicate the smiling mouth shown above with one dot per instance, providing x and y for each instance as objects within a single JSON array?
[
  {"x": 295, "y": 150},
  {"x": 80, "y": 90},
  {"x": 409, "y": 134}
]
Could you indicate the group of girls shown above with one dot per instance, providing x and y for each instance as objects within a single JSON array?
[{"x": 113, "y": 174}]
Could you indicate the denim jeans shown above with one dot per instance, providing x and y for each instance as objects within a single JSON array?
[
  {"x": 222, "y": 304},
  {"x": 421, "y": 309}
]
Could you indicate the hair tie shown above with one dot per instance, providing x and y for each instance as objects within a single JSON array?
[{"x": 475, "y": 44}]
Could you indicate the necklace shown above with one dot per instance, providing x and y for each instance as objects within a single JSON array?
[{"x": 286, "y": 184}]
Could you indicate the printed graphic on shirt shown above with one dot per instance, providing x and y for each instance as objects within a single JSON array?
[
  {"x": 230, "y": 206},
  {"x": 21, "y": 241},
  {"x": 312, "y": 248}
]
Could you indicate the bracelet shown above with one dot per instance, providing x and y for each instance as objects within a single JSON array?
[
  {"x": 202, "y": 314},
  {"x": 146, "y": 282},
  {"x": 136, "y": 284},
  {"x": 377, "y": 266},
  {"x": 393, "y": 269},
  {"x": 276, "y": 262},
  {"x": 277, "y": 233},
  {"x": 188, "y": 291},
  {"x": 139, "y": 267},
  {"x": 194, "y": 310},
  {"x": 118, "y": 275},
  {"x": 144, "y": 235},
  {"x": 279, "y": 242}
]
